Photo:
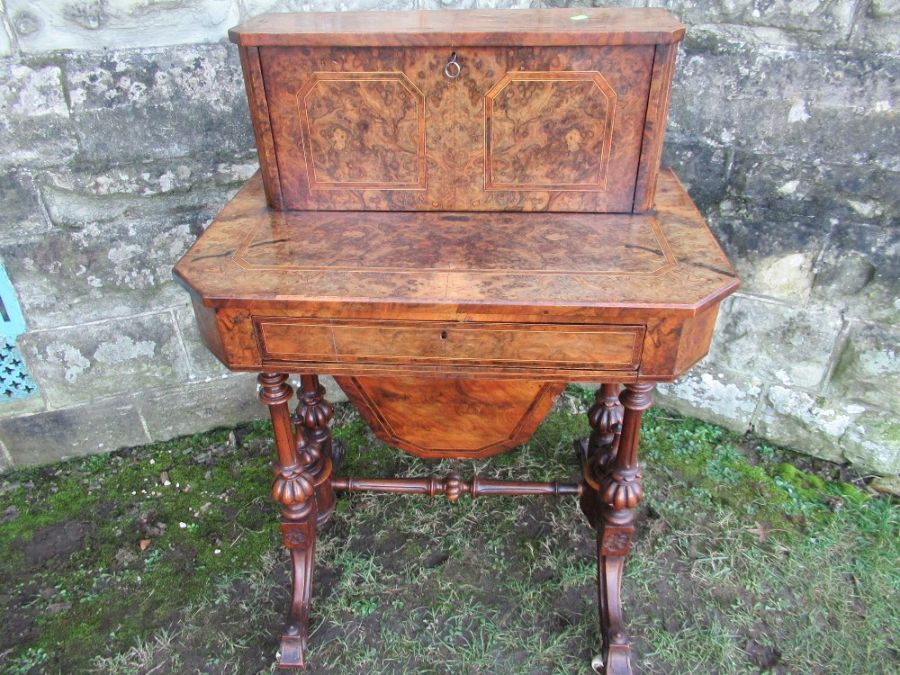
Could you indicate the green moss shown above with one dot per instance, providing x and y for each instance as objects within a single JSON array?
[
  {"x": 109, "y": 584},
  {"x": 884, "y": 430},
  {"x": 417, "y": 568},
  {"x": 849, "y": 492}
]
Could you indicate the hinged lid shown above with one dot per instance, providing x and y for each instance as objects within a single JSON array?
[{"x": 537, "y": 27}]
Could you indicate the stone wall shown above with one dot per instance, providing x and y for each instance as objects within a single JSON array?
[{"x": 125, "y": 129}]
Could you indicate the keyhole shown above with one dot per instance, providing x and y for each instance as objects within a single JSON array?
[
  {"x": 452, "y": 69},
  {"x": 443, "y": 335}
]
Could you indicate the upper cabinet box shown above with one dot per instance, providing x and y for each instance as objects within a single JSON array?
[{"x": 498, "y": 110}]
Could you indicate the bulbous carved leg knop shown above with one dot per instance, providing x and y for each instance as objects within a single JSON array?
[
  {"x": 312, "y": 417},
  {"x": 605, "y": 418}
]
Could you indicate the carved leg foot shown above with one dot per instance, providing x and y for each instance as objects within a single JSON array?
[
  {"x": 612, "y": 491},
  {"x": 298, "y": 533},
  {"x": 616, "y": 654},
  {"x": 294, "y": 489}
]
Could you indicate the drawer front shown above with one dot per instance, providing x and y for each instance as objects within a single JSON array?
[
  {"x": 528, "y": 128},
  {"x": 494, "y": 345}
]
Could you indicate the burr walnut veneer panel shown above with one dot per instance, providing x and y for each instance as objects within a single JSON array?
[
  {"x": 544, "y": 124},
  {"x": 528, "y": 267},
  {"x": 451, "y": 418},
  {"x": 511, "y": 344}
]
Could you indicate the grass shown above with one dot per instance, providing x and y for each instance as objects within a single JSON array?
[{"x": 748, "y": 559}]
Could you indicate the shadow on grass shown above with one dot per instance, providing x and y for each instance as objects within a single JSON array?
[{"x": 166, "y": 558}]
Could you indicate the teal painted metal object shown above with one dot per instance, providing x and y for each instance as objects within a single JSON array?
[
  {"x": 15, "y": 381},
  {"x": 12, "y": 323}
]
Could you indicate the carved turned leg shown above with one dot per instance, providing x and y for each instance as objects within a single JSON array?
[
  {"x": 612, "y": 491},
  {"x": 313, "y": 415},
  {"x": 294, "y": 489}
]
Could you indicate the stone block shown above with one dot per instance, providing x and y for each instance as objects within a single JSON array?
[
  {"x": 824, "y": 189},
  {"x": 774, "y": 217},
  {"x": 714, "y": 59},
  {"x": 771, "y": 248},
  {"x": 22, "y": 406},
  {"x": 332, "y": 391},
  {"x": 34, "y": 117},
  {"x": 779, "y": 129},
  {"x": 859, "y": 271},
  {"x": 6, "y": 46},
  {"x": 21, "y": 216},
  {"x": 251, "y": 8},
  {"x": 224, "y": 402},
  {"x": 788, "y": 277},
  {"x": 713, "y": 396},
  {"x": 877, "y": 28},
  {"x": 872, "y": 442},
  {"x": 64, "y": 280},
  {"x": 781, "y": 259},
  {"x": 127, "y": 189},
  {"x": 177, "y": 102},
  {"x": 827, "y": 22},
  {"x": 32, "y": 91},
  {"x": 825, "y": 192},
  {"x": 772, "y": 258},
  {"x": 725, "y": 181},
  {"x": 62, "y": 434},
  {"x": 82, "y": 363},
  {"x": 797, "y": 419},
  {"x": 204, "y": 366},
  {"x": 115, "y": 238},
  {"x": 6, "y": 463},
  {"x": 504, "y": 4},
  {"x": 200, "y": 407},
  {"x": 48, "y": 25},
  {"x": 868, "y": 369},
  {"x": 704, "y": 169},
  {"x": 774, "y": 342}
]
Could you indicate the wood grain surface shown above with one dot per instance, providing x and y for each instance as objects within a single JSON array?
[
  {"x": 451, "y": 418},
  {"x": 362, "y": 130},
  {"x": 521, "y": 129},
  {"x": 549, "y": 130},
  {"x": 462, "y": 266},
  {"x": 654, "y": 126},
  {"x": 538, "y": 345},
  {"x": 287, "y": 290},
  {"x": 262, "y": 126},
  {"x": 537, "y": 27}
]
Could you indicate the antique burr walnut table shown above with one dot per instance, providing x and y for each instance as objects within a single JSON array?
[{"x": 457, "y": 213}]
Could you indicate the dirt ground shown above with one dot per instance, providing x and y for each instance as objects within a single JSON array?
[{"x": 166, "y": 559}]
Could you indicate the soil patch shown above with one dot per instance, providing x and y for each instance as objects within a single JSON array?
[{"x": 55, "y": 541}]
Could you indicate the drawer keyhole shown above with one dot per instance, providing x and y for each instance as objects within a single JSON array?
[
  {"x": 443, "y": 335},
  {"x": 452, "y": 69}
]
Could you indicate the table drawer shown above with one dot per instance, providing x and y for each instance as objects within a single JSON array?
[{"x": 502, "y": 344}]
